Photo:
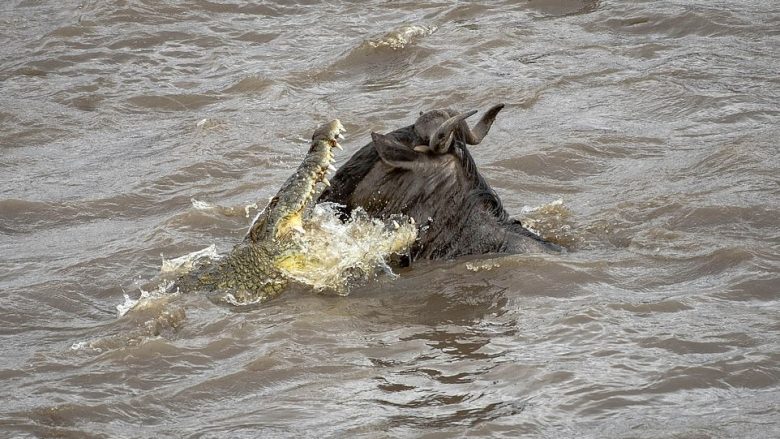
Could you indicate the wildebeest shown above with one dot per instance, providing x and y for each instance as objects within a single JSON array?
[{"x": 426, "y": 171}]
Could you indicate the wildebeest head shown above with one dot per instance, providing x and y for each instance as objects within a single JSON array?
[
  {"x": 432, "y": 177},
  {"x": 426, "y": 171}
]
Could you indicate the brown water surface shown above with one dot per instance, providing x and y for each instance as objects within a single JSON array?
[{"x": 656, "y": 123}]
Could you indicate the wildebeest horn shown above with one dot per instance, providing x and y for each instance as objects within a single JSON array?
[
  {"x": 441, "y": 139},
  {"x": 474, "y": 136}
]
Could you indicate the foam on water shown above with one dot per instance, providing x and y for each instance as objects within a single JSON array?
[
  {"x": 147, "y": 299},
  {"x": 202, "y": 205},
  {"x": 401, "y": 37},
  {"x": 551, "y": 221},
  {"x": 184, "y": 263},
  {"x": 224, "y": 210},
  {"x": 168, "y": 268}
]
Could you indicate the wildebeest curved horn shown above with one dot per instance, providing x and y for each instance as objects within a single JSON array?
[
  {"x": 440, "y": 140},
  {"x": 480, "y": 130}
]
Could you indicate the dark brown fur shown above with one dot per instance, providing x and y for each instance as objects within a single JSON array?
[{"x": 457, "y": 210}]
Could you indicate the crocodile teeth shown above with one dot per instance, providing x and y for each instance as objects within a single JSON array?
[
  {"x": 336, "y": 145},
  {"x": 331, "y": 167},
  {"x": 326, "y": 182}
]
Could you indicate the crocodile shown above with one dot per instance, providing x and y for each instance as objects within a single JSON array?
[{"x": 258, "y": 268}]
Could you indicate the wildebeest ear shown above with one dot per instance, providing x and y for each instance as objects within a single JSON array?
[{"x": 393, "y": 152}]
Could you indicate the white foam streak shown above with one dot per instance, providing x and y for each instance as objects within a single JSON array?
[
  {"x": 529, "y": 209},
  {"x": 146, "y": 299},
  {"x": 185, "y": 263},
  {"x": 202, "y": 205},
  {"x": 401, "y": 37}
]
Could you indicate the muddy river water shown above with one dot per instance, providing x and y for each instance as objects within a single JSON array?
[{"x": 641, "y": 134}]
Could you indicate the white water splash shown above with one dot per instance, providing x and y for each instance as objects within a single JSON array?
[
  {"x": 79, "y": 345},
  {"x": 206, "y": 206},
  {"x": 202, "y": 205},
  {"x": 482, "y": 265},
  {"x": 249, "y": 208},
  {"x": 146, "y": 299},
  {"x": 401, "y": 37},
  {"x": 533, "y": 212},
  {"x": 185, "y": 263},
  {"x": 552, "y": 221},
  {"x": 340, "y": 254},
  {"x": 528, "y": 209}
]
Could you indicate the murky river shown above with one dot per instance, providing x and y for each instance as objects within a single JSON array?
[{"x": 645, "y": 133}]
